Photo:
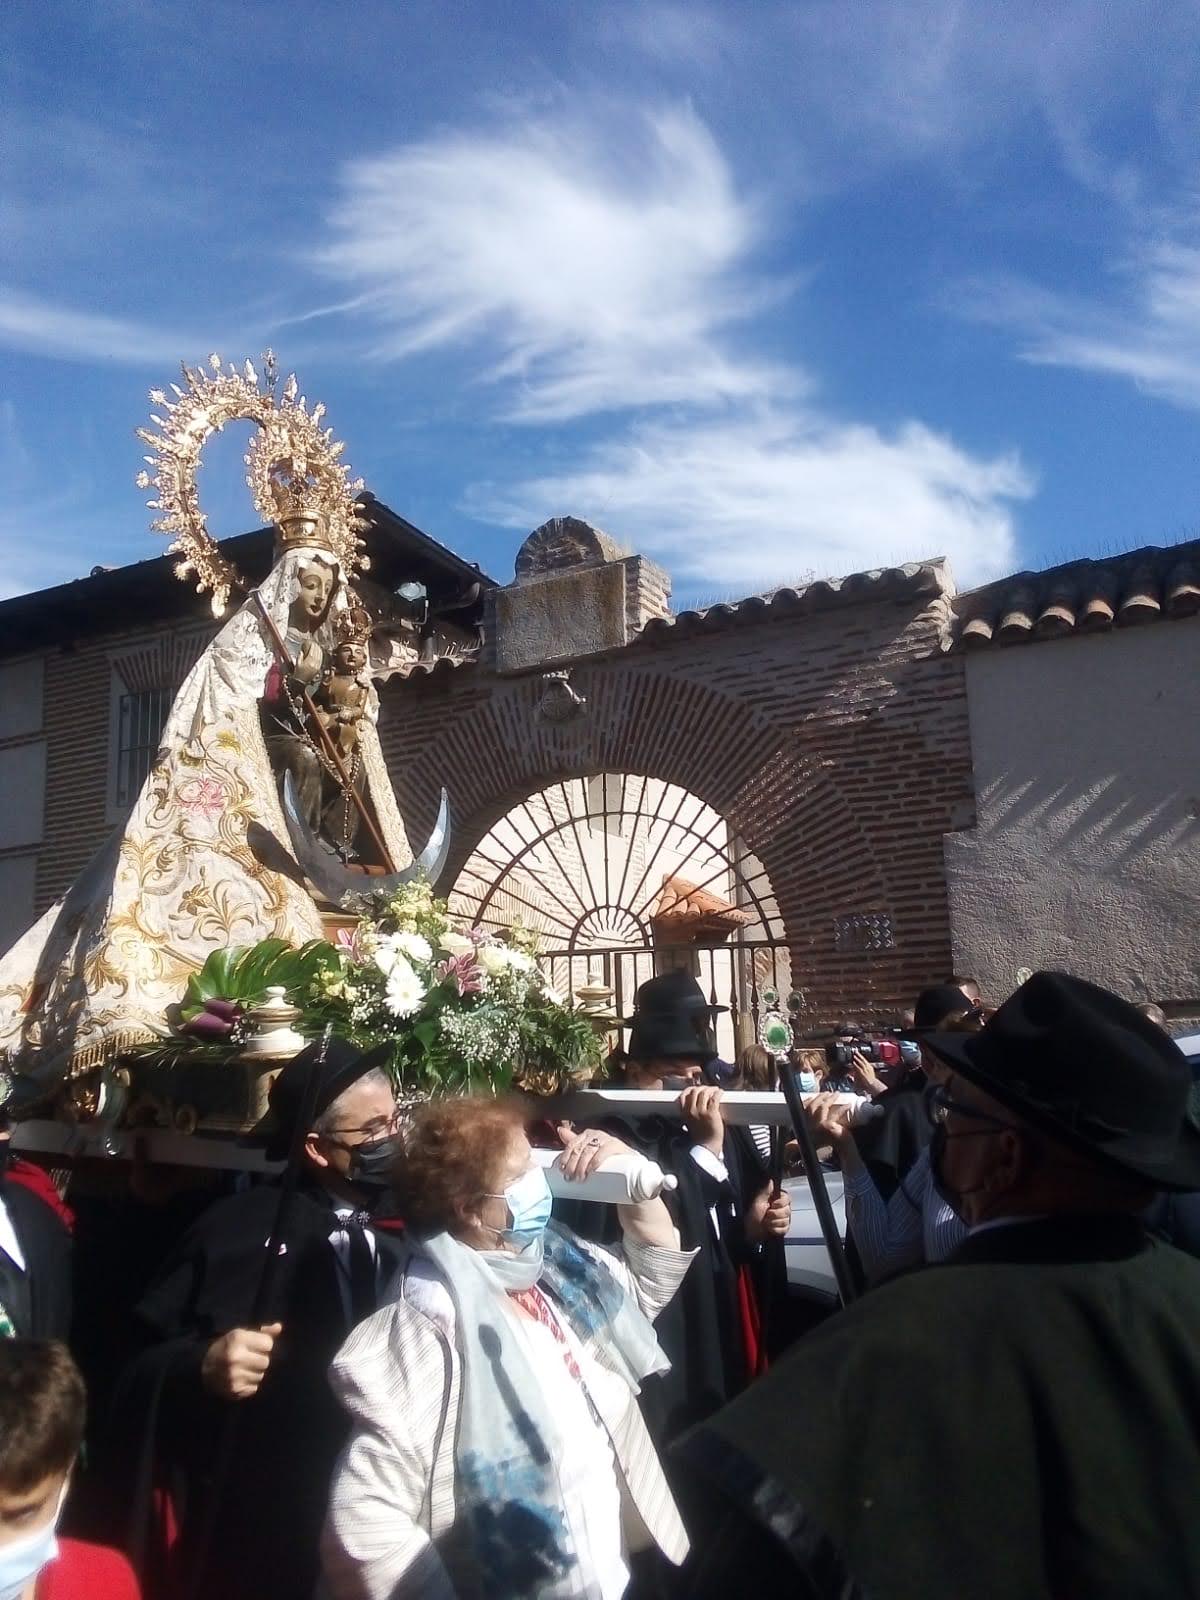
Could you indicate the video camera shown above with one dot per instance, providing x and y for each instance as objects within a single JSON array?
[{"x": 886, "y": 1051}]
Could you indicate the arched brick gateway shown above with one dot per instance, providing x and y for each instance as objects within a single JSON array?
[{"x": 842, "y": 780}]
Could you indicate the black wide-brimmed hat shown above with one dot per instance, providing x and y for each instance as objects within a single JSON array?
[
  {"x": 671, "y": 993},
  {"x": 1085, "y": 1066},
  {"x": 344, "y": 1065},
  {"x": 668, "y": 1036},
  {"x": 934, "y": 1005}
]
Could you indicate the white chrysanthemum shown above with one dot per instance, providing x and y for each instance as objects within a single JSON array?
[
  {"x": 405, "y": 991},
  {"x": 413, "y": 945},
  {"x": 391, "y": 947},
  {"x": 456, "y": 944}
]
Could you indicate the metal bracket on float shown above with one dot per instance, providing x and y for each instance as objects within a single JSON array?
[{"x": 335, "y": 881}]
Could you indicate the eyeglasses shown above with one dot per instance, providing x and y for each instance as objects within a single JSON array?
[
  {"x": 377, "y": 1128},
  {"x": 939, "y": 1107}
]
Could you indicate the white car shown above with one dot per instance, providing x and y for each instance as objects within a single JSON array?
[{"x": 808, "y": 1265}]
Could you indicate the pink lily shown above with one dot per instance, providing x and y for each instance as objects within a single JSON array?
[{"x": 463, "y": 973}]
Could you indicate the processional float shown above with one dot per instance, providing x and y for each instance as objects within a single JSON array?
[
  {"x": 266, "y": 813},
  {"x": 268, "y": 805}
]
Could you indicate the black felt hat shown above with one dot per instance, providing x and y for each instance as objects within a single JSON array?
[
  {"x": 344, "y": 1065},
  {"x": 935, "y": 1004},
  {"x": 668, "y": 1036},
  {"x": 671, "y": 993},
  {"x": 1085, "y": 1066}
]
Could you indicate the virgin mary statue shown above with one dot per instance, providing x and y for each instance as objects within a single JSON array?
[{"x": 203, "y": 861}]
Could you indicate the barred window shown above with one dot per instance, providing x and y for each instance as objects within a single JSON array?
[
  {"x": 863, "y": 933},
  {"x": 140, "y": 717}
]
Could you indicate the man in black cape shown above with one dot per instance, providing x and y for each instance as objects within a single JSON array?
[
  {"x": 723, "y": 1207},
  {"x": 890, "y": 1144},
  {"x": 205, "y": 1362},
  {"x": 1023, "y": 1421}
]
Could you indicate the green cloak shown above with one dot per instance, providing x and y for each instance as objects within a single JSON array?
[{"x": 1021, "y": 1423}]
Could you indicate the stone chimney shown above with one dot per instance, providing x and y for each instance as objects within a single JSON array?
[{"x": 576, "y": 594}]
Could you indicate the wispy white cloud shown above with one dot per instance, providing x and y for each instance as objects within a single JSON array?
[
  {"x": 607, "y": 262},
  {"x": 1149, "y": 334},
  {"x": 597, "y": 256},
  {"x": 844, "y": 94},
  {"x": 758, "y": 500},
  {"x": 42, "y": 327},
  {"x": 58, "y": 511}
]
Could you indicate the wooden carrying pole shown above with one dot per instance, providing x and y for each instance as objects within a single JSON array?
[
  {"x": 328, "y": 747},
  {"x": 847, "y": 1288}
]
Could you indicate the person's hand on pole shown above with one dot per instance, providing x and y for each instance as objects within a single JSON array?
[
  {"x": 770, "y": 1217},
  {"x": 701, "y": 1110},
  {"x": 830, "y": 1118},
  {"x": 584, "y": 1152},
  {"x": 236, "y": 1363}
]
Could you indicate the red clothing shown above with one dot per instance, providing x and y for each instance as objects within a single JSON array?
[
  {"x": 39, "y": 1181},
  {"x": 87, "y": 1572}
]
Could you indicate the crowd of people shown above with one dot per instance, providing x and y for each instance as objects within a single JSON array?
[{"x": 404, "y": 1369}]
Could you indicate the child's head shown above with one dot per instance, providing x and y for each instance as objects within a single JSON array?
[
  {"x": 42, "y": 1404},
  {"x": 350, "y": 657}
]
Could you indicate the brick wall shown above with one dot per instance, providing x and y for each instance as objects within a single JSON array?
[
  {"x": 835, "y": 744},
  {"x": 78, "y": 690}
]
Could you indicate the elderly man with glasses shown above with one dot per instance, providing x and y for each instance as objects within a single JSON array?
[
  {"x": 206, "y": 1355},
  {"x": 1023, "y": 1421}
]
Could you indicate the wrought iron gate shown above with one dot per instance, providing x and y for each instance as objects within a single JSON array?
[{"x": 591, "y": 863}]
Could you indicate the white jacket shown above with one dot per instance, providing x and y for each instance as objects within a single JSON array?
[{"x": 392, "y": 1505}]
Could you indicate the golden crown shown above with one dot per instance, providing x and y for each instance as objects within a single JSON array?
[
  {"x": 292, "y": 470},
  {"x": 354, "y": 625}
]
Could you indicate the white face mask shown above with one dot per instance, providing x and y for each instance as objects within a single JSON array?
[{"x": 24, "y": 1558}]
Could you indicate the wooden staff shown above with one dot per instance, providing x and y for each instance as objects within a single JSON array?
[
  {"x": 847, "y": 1288},
  {"x": 328, "y": 748}
]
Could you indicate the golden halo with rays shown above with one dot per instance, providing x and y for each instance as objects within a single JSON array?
[{"x": 292, "y": 468}]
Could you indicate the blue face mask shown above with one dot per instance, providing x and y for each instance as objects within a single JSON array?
[
  {"x": 24, "y": 1558},
  {"x": 529, "y": 1202},
  {"x": 806, "y": 1078}
]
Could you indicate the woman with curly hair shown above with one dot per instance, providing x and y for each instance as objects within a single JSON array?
[{"x": 497, "y": 1444}]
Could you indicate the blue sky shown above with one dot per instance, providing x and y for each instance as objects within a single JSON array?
[{"x": 764, "y": 290}]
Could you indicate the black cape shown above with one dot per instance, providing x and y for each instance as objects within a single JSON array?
[
  {"x": 889, "y": 1145},
  {"x": 38, "y": 1299},
  {"x": 700, "y": 1330},
  {"x": 272, "y": 1508},
  {"x": 1020, "y": 1423}
]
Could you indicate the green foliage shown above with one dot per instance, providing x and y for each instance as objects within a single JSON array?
[
  {"x": 244, "y": 973},
  {"x": 462, "y": 1010}
]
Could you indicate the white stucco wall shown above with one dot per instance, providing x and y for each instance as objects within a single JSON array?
[{"x": 1086, "y": 853}]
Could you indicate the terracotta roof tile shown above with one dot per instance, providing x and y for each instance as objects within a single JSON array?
[
  {"x": 681, "y": 903},
  {"x": 825, "y": 594},
  {"x": 1149, "y": 585}
]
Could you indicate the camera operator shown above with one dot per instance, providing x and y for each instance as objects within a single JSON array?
[
  {"x": 890, "y": 1144},
  {"x": 916, "y": 1223},
  {"x": 841, "y": 1053},
  {"x": 856, "y": 1064}
]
